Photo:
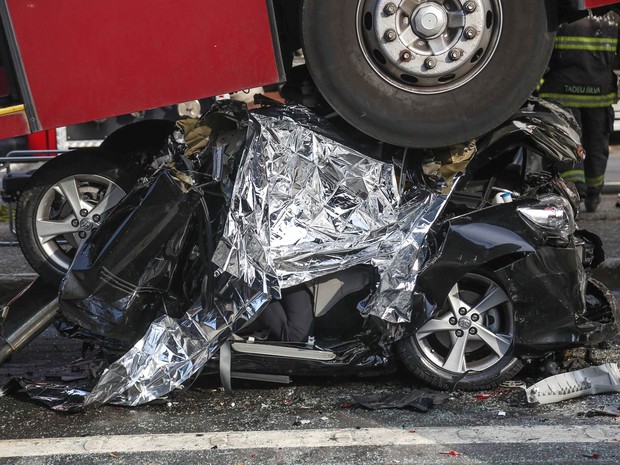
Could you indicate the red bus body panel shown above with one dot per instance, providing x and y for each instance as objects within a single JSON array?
[
  {"x": 90, "y": 59},
  {"x": 83, "y": 60},
  {"x": 597, "y": 3},
  {"x": 14, "y": 124}
]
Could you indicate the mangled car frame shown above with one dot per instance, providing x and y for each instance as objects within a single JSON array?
[{"x": 267, "y": 244}]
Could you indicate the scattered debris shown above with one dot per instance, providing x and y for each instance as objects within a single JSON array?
[
  {"x": 299, "y": 422},
  {"x": 589, "y": 381},
  {"x": 607, "y": 410},
  {"x": 484, "y": 395},
  {"x": 419, "y": 400}
]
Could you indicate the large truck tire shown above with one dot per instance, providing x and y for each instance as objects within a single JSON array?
[{"x": 427, "y": 74}]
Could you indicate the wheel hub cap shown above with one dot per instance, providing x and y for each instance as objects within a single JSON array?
[
  {"x": 429, "y": 46},
  {"x": 429, "y": 20},
  {"x": 86, "y": 224},
  {"x": 464, "y": 323}
]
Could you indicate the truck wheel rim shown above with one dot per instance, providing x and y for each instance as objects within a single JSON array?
[
  {"x": 70, "y": 211},
  {"x": 428, "y": 47},
  {"x": 474, "y": 330}
]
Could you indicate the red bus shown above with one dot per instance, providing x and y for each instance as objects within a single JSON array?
[{"x": 407, "y": 72}]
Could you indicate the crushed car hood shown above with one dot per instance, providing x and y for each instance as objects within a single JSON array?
[{"x": 549, "y": 129}]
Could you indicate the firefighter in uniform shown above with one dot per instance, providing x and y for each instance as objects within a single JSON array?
[{"x": 581, "y": 77}]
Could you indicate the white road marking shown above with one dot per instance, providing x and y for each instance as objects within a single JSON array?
[{"x": 287, "y": 439}]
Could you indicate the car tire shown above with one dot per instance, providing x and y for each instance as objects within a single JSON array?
[
  {"x": 60, "y": 209},
  {"x": 374, "y": 85},
  {"x": 469, "y": 344}
]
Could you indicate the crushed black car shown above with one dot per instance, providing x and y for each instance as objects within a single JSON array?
[{"x": 458, "y": 264}]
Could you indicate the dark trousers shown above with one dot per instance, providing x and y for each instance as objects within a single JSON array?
[
  {"x": 596, "y": 125},
  {"x": 291, "y": 318}
]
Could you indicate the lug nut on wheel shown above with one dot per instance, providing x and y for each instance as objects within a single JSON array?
[
  {"x": 389, "y": 9},
  {"x": 469, "y": 7},
  {"x": 406, "y": 55},
  {"x": 82, "y": 234},
  {"x": 75, "y": 223},
  {"x": 83, "y": 212},
  {"x": 96, "y": 218},
  {"x": 430, "y": 63},
  {"x": 473, "y": 331},
  {"x": 459, "y": 333},
  {"x": 470, "y": 33},
  {"x": 475, "y": 317},
  {"x": 390, "y": 35},
  {"x": 453, "y": 321},
  {"x": 462, "y": 311},
  {"x": 454, "y": 54}
]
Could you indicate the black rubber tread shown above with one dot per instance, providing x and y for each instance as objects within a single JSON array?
[
  {"x": 365, "y": 100},
  {"x": 415, "y": 363},
  {"x": 56, "y": 170}
]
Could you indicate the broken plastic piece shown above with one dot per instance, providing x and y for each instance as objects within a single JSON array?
[{"x": 589, "y": 381}]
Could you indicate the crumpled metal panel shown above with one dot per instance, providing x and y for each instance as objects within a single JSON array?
[
  {"x": 542, "y": 125},
  {"x": 305, "y": 205},
  {"x": 119, "y": 281}
]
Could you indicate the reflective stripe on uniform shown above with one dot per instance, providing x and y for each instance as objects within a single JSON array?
[
  {"x": 582, "y": 101},
  {"x": 596, "y": 182},
  {"x": 574, "y": 176},
  {"x": 590, "y": 44}
]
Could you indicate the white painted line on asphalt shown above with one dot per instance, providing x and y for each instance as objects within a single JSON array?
[{"x": 288, "y": 439}]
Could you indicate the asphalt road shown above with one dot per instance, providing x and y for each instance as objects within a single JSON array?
[{"x": 311, "y": 421}]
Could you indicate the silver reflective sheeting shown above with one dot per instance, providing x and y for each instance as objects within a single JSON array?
[
  {"x": 161, "y": 362},
  {"x": 303, "y": 206},
  {"x": 171, "y": 352}
]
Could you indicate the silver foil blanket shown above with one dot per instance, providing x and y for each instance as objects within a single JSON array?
[
  {"x": 167, "y": 356},
  {"x": 303, "y": 206},
  {"x": 172, "y": 351}
]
